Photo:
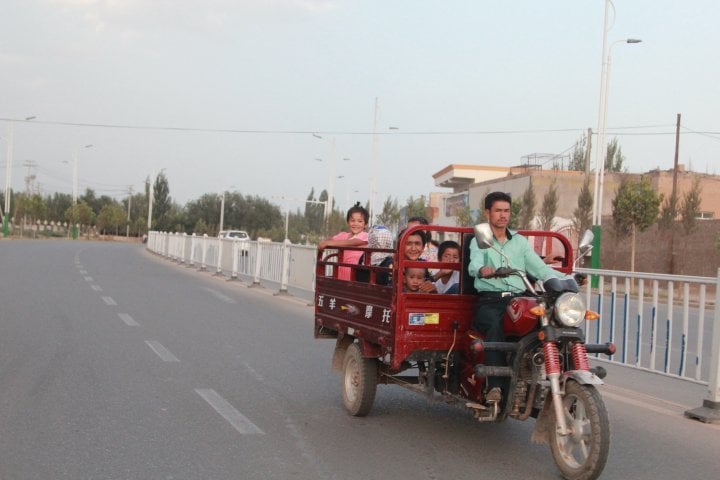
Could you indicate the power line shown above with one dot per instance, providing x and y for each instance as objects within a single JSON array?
[{"x": 342, "y": 132}]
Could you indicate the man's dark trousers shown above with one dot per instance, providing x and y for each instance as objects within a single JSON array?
[{"x": 488, "y": 321}]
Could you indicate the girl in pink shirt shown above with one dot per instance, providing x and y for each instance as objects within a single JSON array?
[{"x": 357, "y": 219}]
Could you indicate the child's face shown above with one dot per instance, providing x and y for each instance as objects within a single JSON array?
[
  {"x": 356, "y": 223},
  {"x": 450, "y": 255},
  {"x": 414, "y": 278},
  {"x": 413, "y": 247}
]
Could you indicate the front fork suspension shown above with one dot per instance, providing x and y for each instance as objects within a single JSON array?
[{"x": 552, "y": 369}]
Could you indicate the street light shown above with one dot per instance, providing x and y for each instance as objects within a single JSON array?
[
  {"x": 331, "y": 179},
  {"x": 75, "y": 171},
  {"x": 222, "y": 209},
  {"x": 602, "y": 131},
  {"x": 601, "y": 151},
  {"x": 8, "y": 175},
  {"x": 75, "y": 185}
]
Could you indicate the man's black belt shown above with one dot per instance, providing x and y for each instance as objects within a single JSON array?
[{"x": 497, "y": 294}]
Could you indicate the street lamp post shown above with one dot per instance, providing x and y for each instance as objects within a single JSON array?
[
  {"x": 222, "y": 209},
  {"x": 601, "y": 151},
  {"x": 8, "y": 176},
  {"x": 602, "y": 131},
  {"x": 331, "y": 179},
  {"x": 76, "y": 154}
]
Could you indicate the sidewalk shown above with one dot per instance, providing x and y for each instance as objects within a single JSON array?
[{"x": 651, "y": 389}]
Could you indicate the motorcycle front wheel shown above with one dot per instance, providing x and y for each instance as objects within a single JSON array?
[{"x": 581, "y": 455}]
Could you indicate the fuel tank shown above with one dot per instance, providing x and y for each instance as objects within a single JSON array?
[{"x": 517, "y": 320}]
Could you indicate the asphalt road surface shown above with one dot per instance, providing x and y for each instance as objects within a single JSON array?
[{"x": 117, "y": 364}]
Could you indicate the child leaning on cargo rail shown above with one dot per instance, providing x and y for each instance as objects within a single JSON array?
[
  {"x": 447, "y": 281},
  {"x": 357, "y": 219}
]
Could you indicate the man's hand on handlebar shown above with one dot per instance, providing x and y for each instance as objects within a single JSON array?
[
  {"x": 492, "y": 272},
  {"x": 486, "y": 272}
]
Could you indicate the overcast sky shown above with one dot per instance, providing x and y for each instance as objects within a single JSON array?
[{"x": 189, "y": 85}]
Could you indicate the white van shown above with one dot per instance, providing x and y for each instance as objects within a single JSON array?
[{"x": 239, "y": 235}]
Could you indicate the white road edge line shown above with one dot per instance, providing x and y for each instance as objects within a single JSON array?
[
  {"x": 97, "y": 288},
  {"x": 129, "y": 321},
  {"x": 228, "y": 412},
  {"x": 83, "y": 272},
  {"x": 162, "y": 352},
  {"x": 109, "y": 300},
  {"x": 88, "y": 279}
]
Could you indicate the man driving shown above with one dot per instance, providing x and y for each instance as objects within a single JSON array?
[{"x": 496, "y": 293}]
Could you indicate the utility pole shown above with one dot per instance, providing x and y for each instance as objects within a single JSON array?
[
  {"x": 673, "y": 196},
  {"x": 373, "y": 166},
  {"x": 587, "y": 152},
  {"x": 29, "y": 178},
  {"x": 677, "y": 151},
  {"x": 150, "y": 202},
  {"x": 127, "y": 229}
]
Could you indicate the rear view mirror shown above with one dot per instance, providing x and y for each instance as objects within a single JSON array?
[
  {"x": 586, "y": 242},
  {"x": 483, "y": 235}
]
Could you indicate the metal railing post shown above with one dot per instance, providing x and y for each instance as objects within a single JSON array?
[
  {"x": 182, "y": 248},
  {"x": 285, "y": 274},
  {"x": 234, "y": 272},
  {"x": 218, "y": 270},
  {"x": 203, "y": 264},
  {"x": 258, "y": 265},
  {"x": 710, "y": 410}
]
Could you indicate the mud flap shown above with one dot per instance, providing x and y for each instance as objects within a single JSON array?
[
  {"x": 543, "y": 424},
  {"x": 341, "y": 346}
]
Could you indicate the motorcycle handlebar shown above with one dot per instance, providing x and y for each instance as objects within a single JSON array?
[{"x": 504, "y": 272}]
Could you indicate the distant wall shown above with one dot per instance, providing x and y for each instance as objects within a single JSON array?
[{"x": 695, "y": 254}]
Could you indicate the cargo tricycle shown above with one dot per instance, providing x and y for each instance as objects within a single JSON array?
[{"x": 425, "y": 342}]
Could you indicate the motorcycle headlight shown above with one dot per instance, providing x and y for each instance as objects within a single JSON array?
[{"x": 570, "y": 309}]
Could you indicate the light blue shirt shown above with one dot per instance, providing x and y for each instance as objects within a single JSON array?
[{"x": 522, "y": 257}]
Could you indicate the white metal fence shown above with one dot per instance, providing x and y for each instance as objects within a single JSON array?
[
  {"x": 667, "y": 324},
  {"x": 281, "y": 263}
]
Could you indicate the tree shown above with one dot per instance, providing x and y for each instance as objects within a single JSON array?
[
  {"x": 161, "y": 202},
  {"x": 80, "y": 213},
  {"x": 669, "y": 212},
  {"x": 111, "y": 217},
  {"x": 635, "y": 207},
  {"x": 527, "y": 214},
  {"x": 416, "y": 207},
  {"x": 614, "y": 158},
  {"x": 30, "y": 207},
  {"x": 515, "y": 213},
  {"x": 390, "y": 214},
  {"x": 314, "y": 213},
  {"x": 582, "y": 215},
  {"x": 200, "y": 227},
  {"x": 577, "y": 159},
  {"x": 690, "y": 207},
  {"x": 57, "y": 204},
  {"x": 549, "y": 207},
  {"x": 464, "y": 217}
]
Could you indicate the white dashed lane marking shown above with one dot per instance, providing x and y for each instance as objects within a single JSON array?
[
  {"x": 83, "y": 272},
  {"x": 219, "y": 295},
  {"x": 129, "y": 321},
  {"x": 162, "y": 352},
  {"x": 239, "y": 421},
  {"x": 88, "y": 279},
  {"x": 109, "y": 300},
  {"x": 97, "y": 288}
]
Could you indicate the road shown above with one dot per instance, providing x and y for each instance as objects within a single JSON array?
[{"x": 117, "y": 364}]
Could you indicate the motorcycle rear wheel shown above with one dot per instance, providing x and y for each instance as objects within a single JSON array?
[
  {"x": 359, "y": 382},
  {"x": 582, "y": 454}
]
